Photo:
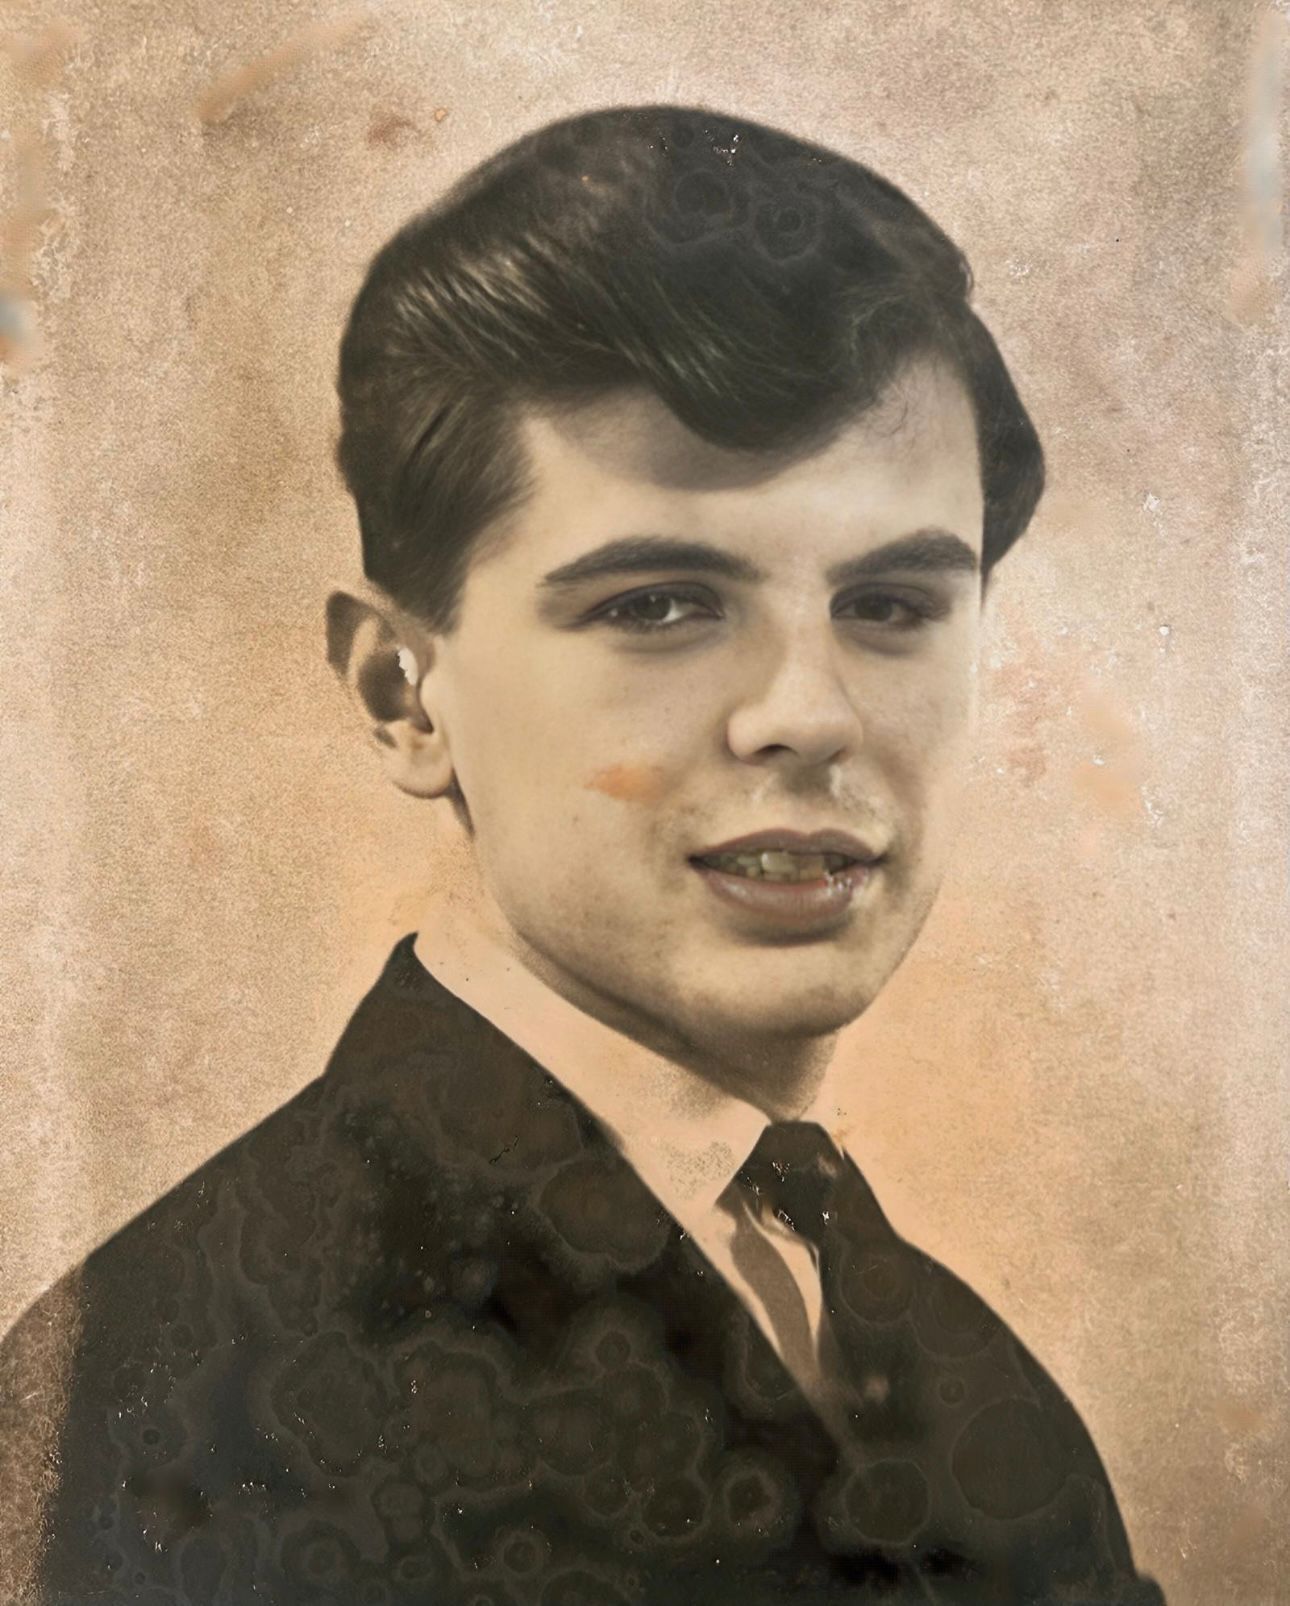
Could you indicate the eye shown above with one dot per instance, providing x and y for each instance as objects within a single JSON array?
[
  {"x": 891, "y": 610},
  {"x": 658, "y": 608}
]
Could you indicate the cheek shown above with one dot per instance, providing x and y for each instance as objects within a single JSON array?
[
  {"x": 927, "y": 736},
  {"x": 640, "y": 774},
  {"x": 506, "y": 761},
  {"x": 631, "y": 783},
  {"x": 536, "y": 748}
]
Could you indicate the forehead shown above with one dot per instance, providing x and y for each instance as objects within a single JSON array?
[{"x": 626, "y": 465}]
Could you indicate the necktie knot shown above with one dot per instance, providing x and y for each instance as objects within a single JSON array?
[{"x": 794, "y": 1171}]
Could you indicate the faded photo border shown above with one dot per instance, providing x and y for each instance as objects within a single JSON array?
[{"x": 1074, "y": 1092}]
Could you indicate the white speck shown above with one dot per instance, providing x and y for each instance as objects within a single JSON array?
[
  {"x": 1151, "y": 502},
  {"x": 1165, "y": 630}
]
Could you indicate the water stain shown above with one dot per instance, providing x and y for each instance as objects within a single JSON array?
[
  {"x": 17, "y": 330},
  {"x": 223, "y": 95},
  {"x": 1253, "y": 281},
  {"x": 37, "y": 60},
  {"x": 630, "y": 783},
  {"x": 391, "y": 129},
  {"x": 38, "y": 57},
  {"x": 1251, "y": 1526},
  {"x": 1112, "y": 779},
  {"x": 1238, "y": 1417}
]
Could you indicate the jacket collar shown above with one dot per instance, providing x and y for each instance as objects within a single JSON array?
[{"x": 684, "y": 1137}]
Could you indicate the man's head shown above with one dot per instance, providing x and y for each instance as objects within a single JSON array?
[{"x": 680, "y": 459}]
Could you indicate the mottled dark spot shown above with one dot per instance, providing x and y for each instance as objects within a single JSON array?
[
  {"x": 1007, "y": 1461},
  {"x": 887, "y": 1501},
  {"x": 673, "y": 1509}
]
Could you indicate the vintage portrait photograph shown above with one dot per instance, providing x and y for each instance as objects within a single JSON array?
[{"x": 645, "y": 782}]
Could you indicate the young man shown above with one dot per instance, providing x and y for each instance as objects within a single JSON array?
[{"x": 680, "y": 462}]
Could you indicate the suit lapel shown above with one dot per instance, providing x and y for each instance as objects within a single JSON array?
[{"x": 583, "y": 1228}]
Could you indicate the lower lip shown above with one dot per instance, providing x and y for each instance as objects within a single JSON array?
[{"x": 795, "y": 905}]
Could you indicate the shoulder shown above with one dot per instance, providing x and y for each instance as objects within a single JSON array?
[
  {"x": 973, "y": 1422},
  {"x": 77, "y": 1352},
  {"x": 331, "y": 1208},
  {"x": 137, "y": 1271}
]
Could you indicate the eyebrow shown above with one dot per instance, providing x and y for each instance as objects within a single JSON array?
[
  {"x": 638, "y": 554},
  {"x": 925, "y": 552}
]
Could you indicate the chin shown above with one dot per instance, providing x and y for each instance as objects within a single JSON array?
[{"x": 794, "y": 1014}]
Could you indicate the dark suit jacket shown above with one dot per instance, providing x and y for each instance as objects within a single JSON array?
[{"x": 422, "y": 1336}]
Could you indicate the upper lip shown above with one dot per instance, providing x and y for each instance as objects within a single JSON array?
[{"x": 852, "y": 847}]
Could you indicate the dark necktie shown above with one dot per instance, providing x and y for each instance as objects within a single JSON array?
[
  {"x": 796, "y": 1167},
  {"x": 793, "y": 1174}
]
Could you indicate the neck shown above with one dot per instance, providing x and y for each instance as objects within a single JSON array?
[{"x": 781, "y": 1076}]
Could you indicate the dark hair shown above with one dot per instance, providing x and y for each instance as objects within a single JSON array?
[{"x": 766, "y": 289}]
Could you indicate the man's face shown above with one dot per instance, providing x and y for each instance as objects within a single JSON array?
[{"x": 709, "y": 712}]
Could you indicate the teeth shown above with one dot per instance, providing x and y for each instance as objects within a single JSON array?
[{"x": 777, "y": 865}]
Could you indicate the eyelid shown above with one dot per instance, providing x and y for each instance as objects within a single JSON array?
[
  {"x": 685, "y": 590},
  {"x": 932, "y": 604}
]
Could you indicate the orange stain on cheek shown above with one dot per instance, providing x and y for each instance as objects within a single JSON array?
[{"x": 630, "y": 783}]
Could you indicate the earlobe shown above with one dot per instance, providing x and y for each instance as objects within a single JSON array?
[{"x": 384, "y": 671}]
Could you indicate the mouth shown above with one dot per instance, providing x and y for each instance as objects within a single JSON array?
[
  {"x": 776, "y": 864},
  {"x": 792, "y": 856},
  {"x": 790, "y": 879}
]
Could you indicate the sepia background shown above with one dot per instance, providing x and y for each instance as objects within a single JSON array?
[{"x": 1075, "y": 1091}]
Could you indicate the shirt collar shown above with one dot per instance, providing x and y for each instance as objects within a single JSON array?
[{"x": 684, "y": 1137}]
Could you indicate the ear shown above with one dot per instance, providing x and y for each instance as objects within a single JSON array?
[{"x": 382, "y": 658}]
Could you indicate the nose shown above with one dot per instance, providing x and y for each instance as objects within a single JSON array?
[{"x": 797, "y": 705}]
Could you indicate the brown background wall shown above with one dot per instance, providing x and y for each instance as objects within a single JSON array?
[{"x": 1075, "y": 1091}]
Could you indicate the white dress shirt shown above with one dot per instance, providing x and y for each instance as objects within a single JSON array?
[{"x": 684, "y": 1137}]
